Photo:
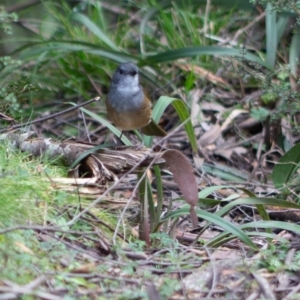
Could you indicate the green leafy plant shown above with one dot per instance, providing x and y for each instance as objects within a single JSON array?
[
  {"x": 274, "y": 257},
  {"x": 6, "y": 19}
]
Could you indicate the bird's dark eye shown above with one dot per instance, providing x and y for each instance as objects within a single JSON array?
[
  {"x": 121, "y": 72},
  {"x": 133, "y": 73}
]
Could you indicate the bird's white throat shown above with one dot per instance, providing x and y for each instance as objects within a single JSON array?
[
  {"x": 128, "y": 90},
  {"x": 129, "y": 86}
]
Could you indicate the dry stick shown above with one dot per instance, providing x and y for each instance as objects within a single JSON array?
[
  {"x": 45, "y": 228},
  {"x": 215, "y": 274},
  {"x": 35, "y": 282},
  {"x": 294, "y": 291},
  {"x": 240, "y": 31},
  {"x": 48, "y": 117},
  {"x": 85, "y": 126},
  {"x": 117, "y": 10},
  {"x": 6, "y": 118}
]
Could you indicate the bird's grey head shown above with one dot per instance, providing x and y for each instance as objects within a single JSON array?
[
  {"x": 126, "y": 76},
  {"x": 125, "y": 92}
]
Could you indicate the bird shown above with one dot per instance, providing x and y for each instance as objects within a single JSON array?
[{"x": 128, "y": 107}]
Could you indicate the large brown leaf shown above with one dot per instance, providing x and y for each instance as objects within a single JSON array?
[{"x": 184, "y": 177}]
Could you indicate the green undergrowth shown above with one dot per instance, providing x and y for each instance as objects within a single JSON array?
[
  {"x": 77, "y": 48},
  {"x": 23, "y": 257},
  {"x": 273, "y": 259},
  {"x": 27, "y": 195},
  {"x": 27, "y": 198},
  {"x": 25, "y": 190}
]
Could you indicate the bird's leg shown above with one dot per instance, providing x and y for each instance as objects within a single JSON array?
[
  {"x": 121, "y": 134},
  {"x": 140, "y": 145},
  {"x": 118, "y": 141}
]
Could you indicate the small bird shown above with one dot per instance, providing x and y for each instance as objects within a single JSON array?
[{"x": 127, "y": 106}]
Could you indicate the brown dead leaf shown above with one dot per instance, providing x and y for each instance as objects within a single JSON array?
[
  {"x": 264, "y": 286},
  {"x": 240, "y": 150},
  {"x": 195, "y": 106},
  {"x": 232, "y": 116},
  {"x": 210, "y": 106},
  {"x": 184, "y": 177},
  {"x": 203, "y": 73},
  {"x": 134, "y": 232},
  {"x": 226, "y": 153},
  {"x": 210, "y": 136},
  {"x": 84, "y": 269}
]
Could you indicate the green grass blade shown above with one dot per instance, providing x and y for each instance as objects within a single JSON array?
[
  {"x": 224, "y": 237},
  {"x": 183, "y": 113},
  {"x": 286, "y": 167},
  {"x": 207, "y": 50},
  {"x": 281, "y": 26},
  {"x": 272, "y": 224},
  {"x": 271, "y": 35},
  {"x": 295, "y": 52},
  {"x": 260, "y": 208},
  {"x": 256, "y": 201},
  {"x": 150, "y": 201},
  {"x": 36, "y": 49},
  {"x": 208, "y": 190},
  {"x": 213, "y": 218},
  {"x": 144, "y": 229},
  {"x": 107, "y": 124},
  {"x": 94, "y": 29},
  {"x": 224, "y": 172},
  {"x": 160, "y": 194}
]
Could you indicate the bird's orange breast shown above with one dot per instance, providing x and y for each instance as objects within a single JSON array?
[{"x": 130, "y": 120}]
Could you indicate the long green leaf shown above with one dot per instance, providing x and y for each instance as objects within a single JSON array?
[
  {"x": 295, "y": 52},
  {"x": 32, "y": 49},
  {"x": 256, "y": 201},
  {"x": 224, "y": 172},
  {"x": 272, "y": 224},
  {"x": 234, "y": 230},
  {"x": 150, "y": 200},
  {"x": 210, "y": 189},
  {"x": 144, "y": 228},
  {"x": 225, "y": 237},
  {"x": 160, "y": 194},
  {"x": 207, "y": 50},
  {"x": 281, "y": 26},
  {"x": 242, "y": 201},
  {"x": 271, "y": 35},
  {"x": 286, "y": 167},
  {"x": 183, "y": 113},
  {"x": 35, "y": 49},
  {"x": 94, "y": 29},
  {"x": 107, "y": 124}
]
